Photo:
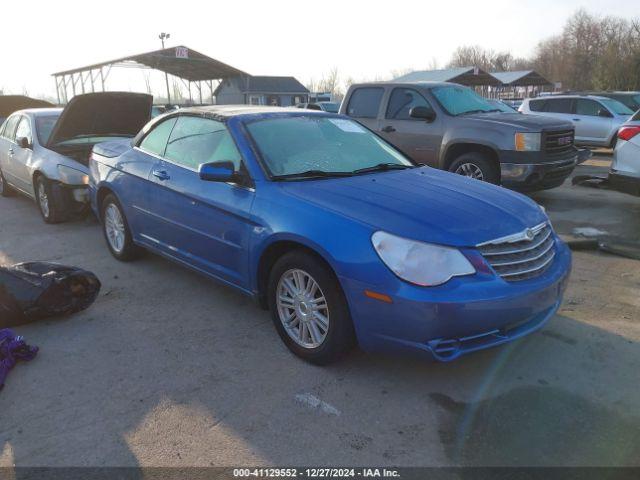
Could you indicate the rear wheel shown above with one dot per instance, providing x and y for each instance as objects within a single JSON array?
[
  {"x": 309, "y": 309},
  {"x": 116, "y": 230},
  {"x": 476, "y": 165},
  {"x": 5, "y": 189},
  {"x": 50, "y": 211}
]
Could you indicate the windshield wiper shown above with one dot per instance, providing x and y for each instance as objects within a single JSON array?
[
  {"x": 383, "y": 167},
  {"x": 311, "y": 174},
  {"x": 478, "y": 111}
]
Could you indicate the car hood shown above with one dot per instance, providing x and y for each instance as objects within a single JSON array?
[
  {"x": 102, "y": 114},
  {"x": 13, "y": 103},
  {"x": 518, "y": 120},
  {"x": 424, "y": 204}
]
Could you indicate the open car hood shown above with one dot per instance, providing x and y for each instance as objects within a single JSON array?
[
  {"x": 13, "y": 103},
  {"x": 102, "y": 114}
]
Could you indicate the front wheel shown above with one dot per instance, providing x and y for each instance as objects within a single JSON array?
[
  {"x": 116, "y": 230},
  {"x": 49, "y": 209},
  {"x": 309, "y": 309},
  {"x": 476, "y": 165}
]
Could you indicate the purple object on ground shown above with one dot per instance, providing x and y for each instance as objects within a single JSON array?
[{"x": 12, "y": 349}]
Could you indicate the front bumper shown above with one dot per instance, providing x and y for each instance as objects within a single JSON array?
[
  {"x": 464, "y": 315},
  {"x": 537, "y": 176},
  {"x": 72, "y": 199}
]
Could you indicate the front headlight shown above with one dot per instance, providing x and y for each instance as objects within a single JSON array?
[
  {"x": 71, "y": 176},
  {"x": 528, "y": 142},
  {"x": 420, "y": 263}
]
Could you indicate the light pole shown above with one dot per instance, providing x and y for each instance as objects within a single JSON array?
[{"x": 165, "y": 36}]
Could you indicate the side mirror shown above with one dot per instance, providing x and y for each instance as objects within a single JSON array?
[
  {"x": 423, "y": 113},
  {"x": 217, "y": 171},
  {"x": 23, "y": 142},
  {"x": 604, "y": 113}
]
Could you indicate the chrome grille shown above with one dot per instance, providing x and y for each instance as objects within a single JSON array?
[
  {"x": 558, "y": 143},
  {"x": 523, "y": 255}
]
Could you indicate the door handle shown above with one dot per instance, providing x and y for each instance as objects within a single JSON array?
[
  {"x": 161, "y": 174},
  {"x": 576, "y": 119},
  {"x": 388, "y": 129},
  {"x": 11, "y": 151}
]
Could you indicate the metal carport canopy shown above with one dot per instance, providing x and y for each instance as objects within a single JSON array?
[{"x": 180, "y": 61}]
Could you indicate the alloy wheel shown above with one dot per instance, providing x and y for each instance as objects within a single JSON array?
[
  {"x": 470, "y": 170},
  {"x": 43, "y": 198},
  {"x": 302, "y": 308},
  {"x": 114, "y": 227}
]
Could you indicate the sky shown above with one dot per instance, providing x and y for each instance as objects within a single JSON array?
[{"x": 364, "y": 40}]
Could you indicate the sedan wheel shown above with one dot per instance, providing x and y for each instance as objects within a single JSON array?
[
  {"x": 43, "y": 198},
  {"x": 309, "y": 308},
  {"x": 114, "y": 228},
  {"x": 46, "y": 203},
  {"x": 302, "y": 308}
]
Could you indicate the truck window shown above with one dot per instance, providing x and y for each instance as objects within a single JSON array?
[
  {"x": 365, "y": 102},
  {"x": 558, "y": 105},
  {"x": 402, "y": 100}
]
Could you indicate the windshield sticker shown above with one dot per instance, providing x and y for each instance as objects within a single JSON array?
[{"x": 347, "y": 125}]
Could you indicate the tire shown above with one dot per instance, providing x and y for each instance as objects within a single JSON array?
[
  {"x": 476, "y": 165},
  {"x": 114, "y": 222},
  {"x": 334, "y": 337},
  {"x": 49, "y": 209},
  {"x": 5, "y": 189}
]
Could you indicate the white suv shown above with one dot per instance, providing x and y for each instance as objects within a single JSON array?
[
  {"x": 625, "y": 168},
  {"x": 596, "y": 119}
]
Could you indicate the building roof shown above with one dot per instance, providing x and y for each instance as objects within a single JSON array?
[
  {"x": 179, "y": 61},
  {"x": 521, "y": 78},
  {"x": 266, "y": 84},
  {"x": 471, "y": 76}
]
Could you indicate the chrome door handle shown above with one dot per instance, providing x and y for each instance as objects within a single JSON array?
[
  {"x": 161, "y": 174},
  {"x": 388, "y": 129},
  {"x": 11, "y": 151}
]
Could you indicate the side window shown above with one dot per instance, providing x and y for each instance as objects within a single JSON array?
[
  {"x": 402, "y": 100},
  {"x": 24, "y": 129},
  {"x": 588, "y": 107},
  {"x": 156, "y": 140},
  {"x": 197, "y": 140},
  {"x": 10, "y": 127},
  {"x": 558, "y": 105},
  {"x": 536, "y": 105},
  {"x": 365, "y": 102}
]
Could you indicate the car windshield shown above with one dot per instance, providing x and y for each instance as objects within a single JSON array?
[
  {"x": 459, "y": 100},
  {"x": 318, "y": 146},
  {"x": 44, "y": 125},
  {"x": 616, "y": 107}
]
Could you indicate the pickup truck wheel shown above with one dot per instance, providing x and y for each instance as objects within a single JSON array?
[
  {"x": 5, "y": 189},
  {"x": 476, "y": 165}
]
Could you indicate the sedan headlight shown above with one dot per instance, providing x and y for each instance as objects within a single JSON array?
[
  {"x": 420, "y": 263},
  {"x": 528, "y": 142},
  {"x": 71, "y": 176}
]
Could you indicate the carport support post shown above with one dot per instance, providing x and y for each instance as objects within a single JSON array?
[
  {"x": 57, "y": 88},
  {"x": 166, "y": 79}
]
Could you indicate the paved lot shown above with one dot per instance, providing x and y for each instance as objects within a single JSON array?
[{"x": 168, "y": 368}]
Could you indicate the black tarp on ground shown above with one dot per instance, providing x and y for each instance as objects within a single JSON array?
[{"x": 36, "y": 290}]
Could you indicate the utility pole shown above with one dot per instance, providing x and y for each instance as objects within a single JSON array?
[{"x": 162, "y": 38}]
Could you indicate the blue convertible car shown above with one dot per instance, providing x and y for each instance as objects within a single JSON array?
[{"x": 337, "y": 232}]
